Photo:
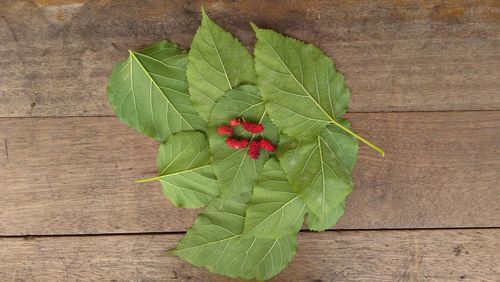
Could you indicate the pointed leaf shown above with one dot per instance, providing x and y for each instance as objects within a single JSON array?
[
  {"x": 302, "y": 89},
  {"x": 235, "y": 170},
  {"x": 185, "y": 172},
  {"x": 149, "y": 92},
  {"x": 275, "y": 210},
  {"x": 300, "y": 84},
  {"x": 218, "y": 62},
  {"x": 214, "y": 241},
  {"x": 321, "y": 169}
]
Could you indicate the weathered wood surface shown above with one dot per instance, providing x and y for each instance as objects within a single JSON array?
[
  {"x": 55, "y": 55},
  {"x": 425, "y": 255},
  {"x": 76, "y": 175}
]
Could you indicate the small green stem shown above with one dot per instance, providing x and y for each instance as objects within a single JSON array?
[
  {"x": 142, "y": 180},
  {"x": 375, "y": 147}
]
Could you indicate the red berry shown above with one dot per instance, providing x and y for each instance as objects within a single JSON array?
[
  {"x": 267, "y": 145},
  {"x": 252, "y": 127},
  {"x": 235, "y": 122},
  {"x": 231, "y": 142},
  {"x": 242, "y": 143},
  {"x": 236, "y": 143},
  {"x": 254, "y": 150},
  {"x": 225, "y": 130}
]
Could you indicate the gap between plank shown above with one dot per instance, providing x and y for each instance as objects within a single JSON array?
[
  {"x": 28, "y": 237},
  {"x": 356, "y": 113}
]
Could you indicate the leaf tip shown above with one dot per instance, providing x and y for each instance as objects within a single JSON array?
[
  {"x": 254, "y": 26},
  {"x": 170, "y": 251},
  {"x": 203, "y": 13}
]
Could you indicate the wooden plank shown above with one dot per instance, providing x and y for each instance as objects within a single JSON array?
[
  {"x": 75, "y": 175},
  {"x": 397, "y": 56},
  {"x": 425, "y": 255}
]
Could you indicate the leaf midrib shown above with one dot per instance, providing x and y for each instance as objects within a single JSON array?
[
  {"x": 320, "y": 140},
  {"x": 218, "y": 56},
  {"x": 210, "y": 243},
  {"x": 272, "y": 214},
  {"x": 322, "y": 173},
  {"x": 195, "y": 191},
  {"x": 160, "y": 177},
  {"x": 183, "y": 171},
  {"x": 335, "y": 155}
]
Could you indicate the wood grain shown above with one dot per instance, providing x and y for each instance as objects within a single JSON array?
[
  {"x": 75, "y": 175},
  {"x": 397, "y": 56},
  {"x": 426, "y": 255}
]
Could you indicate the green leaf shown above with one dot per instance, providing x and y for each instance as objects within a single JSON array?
[
  {"x": 218, "y": 62},
  {"x": 185, "y": 172},
  {"x": 215, "y": 242},
  {"x": 149, "y": 92},
  {"x": 285, "y": 144},
  {"x": 302, "y": 89},
  {"x": 321, "y": 169},
  {"x": 275, "y": 210},
  {"x": 235, "y": 170},
  {"x": 328, "y": 220},
  {"x": 344, "y": 146}
]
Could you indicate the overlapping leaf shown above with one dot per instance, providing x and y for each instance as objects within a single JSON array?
[
  {"x": 255, "y": 207},
  {"x": 275, "y": 209},
  {"x": 215, "y": 242},
  {"x": 235, "y": 171},
  {"x": 303, "y": 91},
  {"x": 149, "y": 92},
  {"x": 218, "y": 62},
  {"x": 185, "y": 172},
  {"x": 321, "y": 170}
]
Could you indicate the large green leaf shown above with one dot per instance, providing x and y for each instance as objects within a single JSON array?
[
  {"x": 235, "y": 170},
  {"x": 300, "y": 84},
  {"x": 218, "y": 62},
  {"x": 302, "y": 89},
  {"x": 275, "y": 209},
  {"x": 321, "y": 169},
  {"x": 185, "y": 172},
  {"x": 149, "y": 92},
  {"x": 215, "y": 242}
]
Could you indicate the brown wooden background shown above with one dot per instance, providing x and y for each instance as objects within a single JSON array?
[{"x": 425, "y": 81}]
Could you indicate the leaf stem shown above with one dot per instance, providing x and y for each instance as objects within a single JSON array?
[
  {"x": 142, "y": 180},
  {"x": 375, "y": 147}
]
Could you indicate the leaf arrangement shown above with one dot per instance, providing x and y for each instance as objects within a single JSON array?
[{"x": 252, "y": 208}]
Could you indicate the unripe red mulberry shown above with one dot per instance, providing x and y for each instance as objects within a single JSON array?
[
  {"x": 267, "y": 145},
  {"x": 236, "y": 143},
  {"x": 225, "y": 130},
  {"x": 235, "y": 122},
  {"x": 254, "y": 150},
  {"x": 252, "y": 127}
]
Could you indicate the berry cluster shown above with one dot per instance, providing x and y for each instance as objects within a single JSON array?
[{"x": 254, "y": 146}]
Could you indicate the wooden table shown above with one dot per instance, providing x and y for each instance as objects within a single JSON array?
[{"x": 425, "y": 81}]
